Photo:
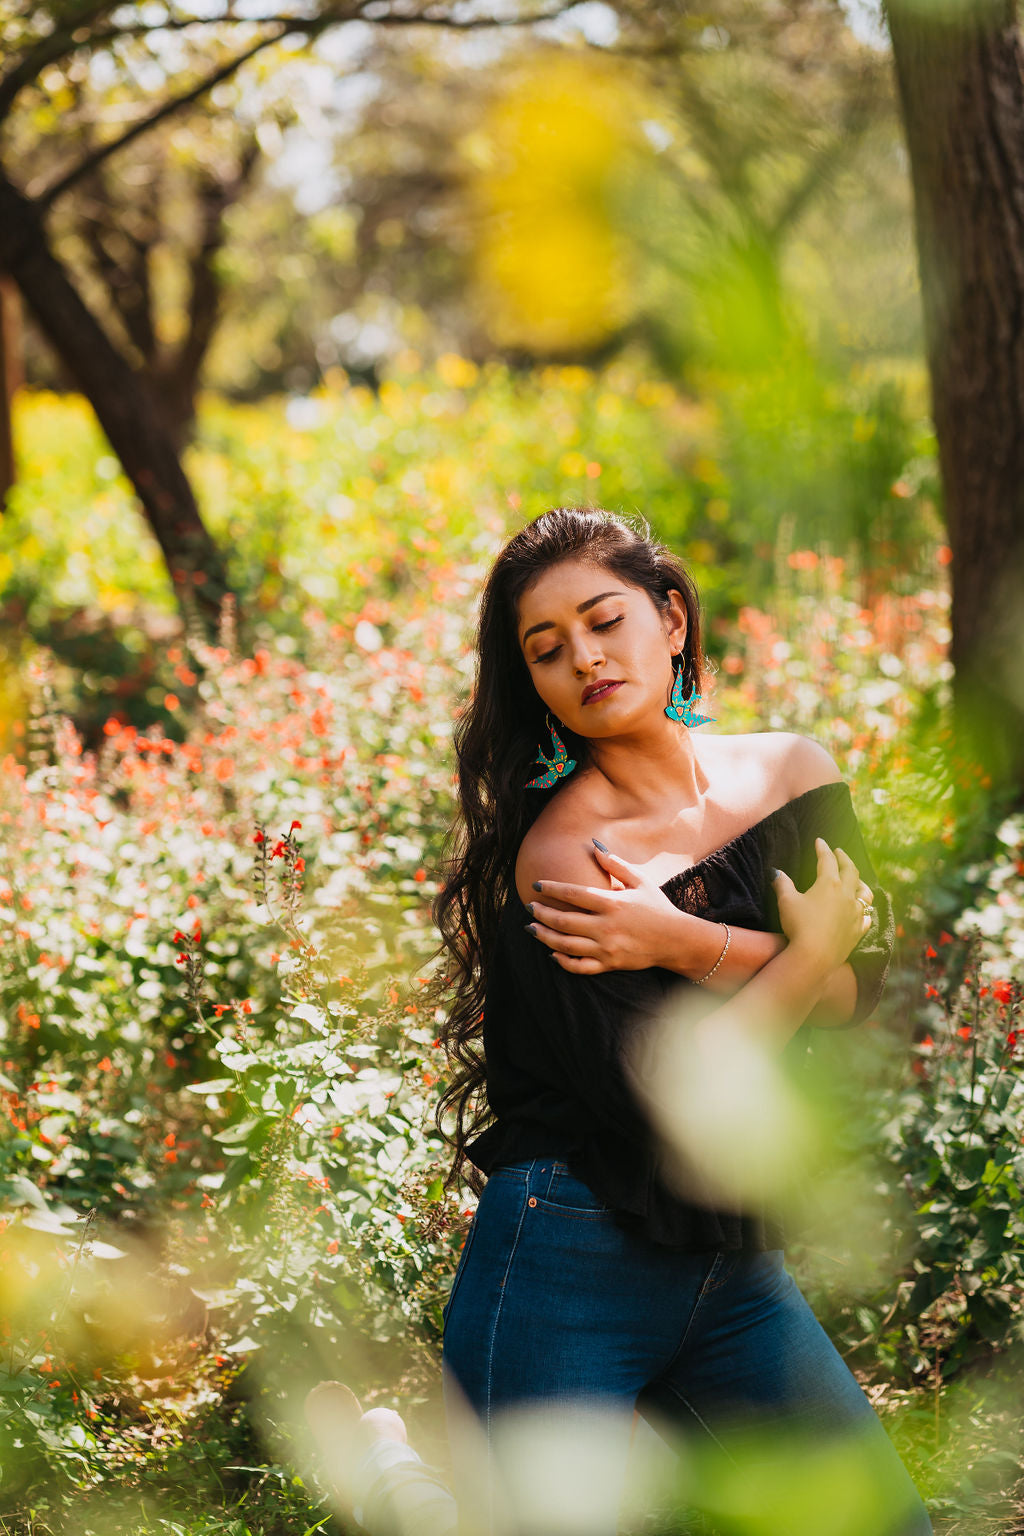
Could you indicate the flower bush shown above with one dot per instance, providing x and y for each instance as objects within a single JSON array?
[
  {"x": 345, "y": 494},
  {"x": 954, "y": 1135},
  {"x": 184, "y": 1063},
  {"x": 219, "y": 1174}
]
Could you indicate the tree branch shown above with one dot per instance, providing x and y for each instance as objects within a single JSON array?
[
  {"x": 47, "y": 51},
  {"x": 89, "y": 163},
  {"x": 832, "y": 156},
  {"x": 312, "y": 27},
  {"x": 309, "y": 24}
]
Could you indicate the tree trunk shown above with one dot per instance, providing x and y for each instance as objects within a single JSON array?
[
  {"x": 176, "y": 374},
  {"x": 10, "y": 379},
  {"x": 960, "y": 72},
  {"x": 123, "y": 403}
]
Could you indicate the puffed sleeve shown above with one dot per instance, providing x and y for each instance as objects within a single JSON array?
[{"x": 833, "y": 817}]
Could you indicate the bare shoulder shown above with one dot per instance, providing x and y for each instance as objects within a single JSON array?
[
  {"x": 775, "y": 760},
  {"x": 805, "y": 763},
  {"x": 558, "y": 847}
]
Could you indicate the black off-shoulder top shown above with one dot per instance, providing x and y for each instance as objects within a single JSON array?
[{"x": 553, "y": 1041}]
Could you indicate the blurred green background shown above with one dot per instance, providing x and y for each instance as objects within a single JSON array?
[{"x": 303, "y": 312}]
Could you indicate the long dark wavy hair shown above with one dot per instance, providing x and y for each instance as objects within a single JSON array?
[{"x": 496, "y": 739}]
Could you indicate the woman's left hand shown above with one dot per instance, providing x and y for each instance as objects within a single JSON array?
[{"x": 627, "y": 928}]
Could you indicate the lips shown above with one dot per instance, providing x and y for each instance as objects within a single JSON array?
[{"x": 595, "y": 691}]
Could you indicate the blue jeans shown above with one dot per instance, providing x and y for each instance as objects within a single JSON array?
[{"x": 553, "y": 1304}]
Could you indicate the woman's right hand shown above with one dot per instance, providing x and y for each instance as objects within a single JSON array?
[{"x": 827, "y": 920}]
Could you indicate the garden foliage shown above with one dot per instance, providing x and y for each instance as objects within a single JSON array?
[{"x": 219, "y": 1176}]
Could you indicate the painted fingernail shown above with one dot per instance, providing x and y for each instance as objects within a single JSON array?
[
  {"x": 530, "y": 929},
  {"x": 536, "y": 885},
  {"x": 776, "y": 873},
  {"x": 599, "y": 845},
  {"x": 529, "y": 908}
]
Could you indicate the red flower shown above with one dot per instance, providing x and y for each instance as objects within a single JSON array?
[
  {"x": 1011, "y": 1039},
  {"x": 1002, "y": 991},
  {"x": 964, "y": 1032},
  {"x": 931, "y": 991},
  {"x": 332, "y": 1246},
  {"x": 928, "y": 1042},
  {"x": 931, "y": 954},
  {"x": 945, "y": 938}
]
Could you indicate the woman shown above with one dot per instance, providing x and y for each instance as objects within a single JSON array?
[{"x": 623, "y": 861}]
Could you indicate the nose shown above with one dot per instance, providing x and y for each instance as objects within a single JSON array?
[{"x": 587, "y": 653}]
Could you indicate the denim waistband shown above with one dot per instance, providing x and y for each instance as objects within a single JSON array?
[{"x": 537, "y": 1173}]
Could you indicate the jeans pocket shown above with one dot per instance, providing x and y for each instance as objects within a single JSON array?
[
  {"x": 459, "y": 1271},
  {"x": 569, "y": 1196}
]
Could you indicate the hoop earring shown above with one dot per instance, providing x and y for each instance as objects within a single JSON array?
[
  {"x": 558, "y": 765},
  {"x": 682, "y": 709}
]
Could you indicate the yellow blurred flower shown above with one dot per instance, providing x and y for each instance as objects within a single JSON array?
[
  {"x": 455, "y": 371},
  {"x": 550, "y": 265}
]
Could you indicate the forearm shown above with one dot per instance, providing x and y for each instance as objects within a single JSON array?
[
  {"x": 838, "y": 999},
  {"x": 696, "y": 944},
  {"x": 693, "y": 946},
  {"x": 773, "y": 1005}
]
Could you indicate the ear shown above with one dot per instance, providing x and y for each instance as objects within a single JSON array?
[{"x": 676, "y": 622}]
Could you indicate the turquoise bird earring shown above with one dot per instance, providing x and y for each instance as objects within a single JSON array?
[
  {"x": 685, "y": 710},
  {"x": 558, "y": 765}
]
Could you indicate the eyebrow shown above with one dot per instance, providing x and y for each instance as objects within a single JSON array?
[{"x": 582, "y": 608}]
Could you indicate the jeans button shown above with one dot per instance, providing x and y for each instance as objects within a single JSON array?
[{"x": 532, "y": 1200}]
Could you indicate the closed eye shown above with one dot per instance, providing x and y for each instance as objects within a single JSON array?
[{"x": 608, "y": 624}]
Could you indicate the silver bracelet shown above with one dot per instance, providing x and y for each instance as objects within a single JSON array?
[{"x": 728, "y": 939}]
